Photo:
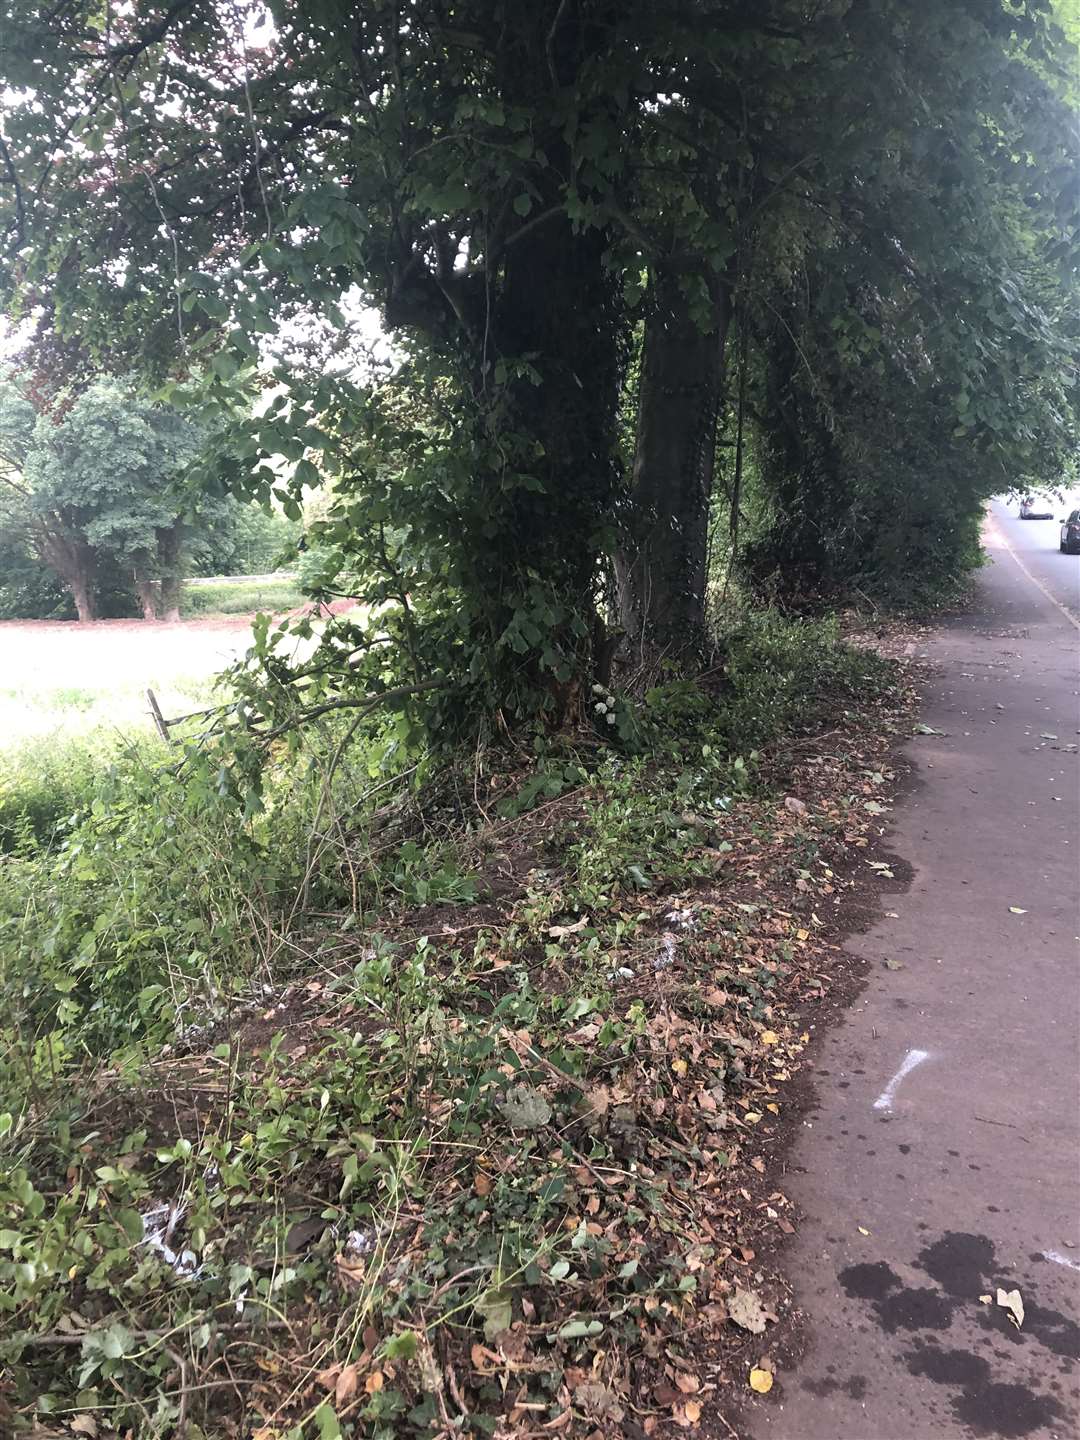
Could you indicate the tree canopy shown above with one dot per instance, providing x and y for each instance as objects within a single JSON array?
[
  {"x": 91, "y": 490},
  {"x": 853, "y": 224}
]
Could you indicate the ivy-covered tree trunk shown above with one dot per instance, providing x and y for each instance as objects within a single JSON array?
[
  {"x": 661, "y": 568},
  {"x": 556, "y": 308}
]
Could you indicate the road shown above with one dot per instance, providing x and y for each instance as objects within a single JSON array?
[{"x": 942, "y": 1159}]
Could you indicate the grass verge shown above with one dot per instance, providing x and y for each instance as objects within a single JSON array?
[
  {"x": 268, "y": 595},
  {"x": 487, "y": 1149}
]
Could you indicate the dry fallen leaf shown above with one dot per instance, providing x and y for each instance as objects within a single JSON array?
[
  {"x": 373, "y": 1382},
  {"x": 863, "y": 1231},
  {"x": 1015, "y": 910},
  {"x": 769, "y": 1037},
  {"x": 84, "y": 1425},
  {"x": 482, "y": 1183},
  {"x": 347, "y": 1383},
  {"x": 761, "y": 1380},
  {"x": 692, "y": 1411},
  {"x": 747, "y": 1311},
  {"x": 557, "y": 932},
  {"x": 1010, "y": 1300},
  {"x": 986, "y": 1299}
]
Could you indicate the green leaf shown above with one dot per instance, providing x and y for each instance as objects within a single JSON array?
[
  {"x": 580, "y": 1329},
  {"x": 327, "y": 1421},
  {"x": 523, "y": 204},
  {"x": 496, "y": 1307},
  {"x": 131, "y": 1223}
]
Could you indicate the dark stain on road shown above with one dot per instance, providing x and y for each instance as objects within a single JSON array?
[
  {"x": 854, "y": 1386},
  {"x": 1049, "y": 1327},
  {"x": 963, "y": 1267},
  {"x": 1007, "y": 1411},
  {"x": 898, "y": 1307},
  {"x": 911, "y": 1309},
  {"x": 868, "y": 1282},
  {"x": 959, "y": 1263}
]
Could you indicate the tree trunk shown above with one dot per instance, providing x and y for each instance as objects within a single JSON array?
[
  {"x": 148, "y": 592},
  {"x": 546, "y": 357},
  {"x": 661, "y": 569},
  {"x": 74, "y": 560},
  {"x": 170, "y": 545},
  {"x": 82, "y": 593}
]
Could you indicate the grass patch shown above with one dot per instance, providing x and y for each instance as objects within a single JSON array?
[
  {"x": 270, "y": 595},
  {"x": 460, "y": 1136}
]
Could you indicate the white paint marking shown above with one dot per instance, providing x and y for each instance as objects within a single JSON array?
[
  {"x": 911, "y": 1059},
  {"x": 1060, "y": 1259}
]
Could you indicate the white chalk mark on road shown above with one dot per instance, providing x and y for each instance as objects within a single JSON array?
[
  {"x": 1061, "y": 1259},
  {"x": 911, "y": 1059}
]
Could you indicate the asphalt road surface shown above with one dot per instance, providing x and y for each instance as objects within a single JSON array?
[{"x": 943, "y": 1159}]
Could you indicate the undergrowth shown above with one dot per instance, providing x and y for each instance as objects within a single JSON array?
[
  {"x": 382, "y": 1096},
  {"x": 272, "y": 594}
]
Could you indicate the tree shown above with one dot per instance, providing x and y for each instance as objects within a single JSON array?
[
  {"x": 924, "y": 151},
  {"x": 91, "y": 488},
  {"x": 500, "y": 180}
]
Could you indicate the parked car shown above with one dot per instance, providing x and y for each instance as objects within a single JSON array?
[{"x": 1070, "y": 534}]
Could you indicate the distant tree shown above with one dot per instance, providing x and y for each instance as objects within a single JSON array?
[
  {"x": 91, "y": 488},
  {"x": 244, "y": 539}
]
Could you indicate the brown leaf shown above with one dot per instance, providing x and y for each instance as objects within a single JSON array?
[
  {"x": 347, "y": 1383},
  {"x": 482, "y": 1183},
  {"x": 688, "y": 1384},
  {"x": 374, "y": 1382}
]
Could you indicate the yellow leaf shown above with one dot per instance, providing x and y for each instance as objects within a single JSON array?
[
  {"x": 863, "y": 1231},
  {"x": 802, "y": 934},
  {"x": 986, "y": 1299},
  {"x": 769, "y": 1037},
  {"x": 774, "y": 1108},
  {"x": 752, "y": 1117},
  {"x": 679, "y": 1066},
  {"x": 760, "y": 1380},
  {"x": 1015, "y": 910},
  {"x": 692, "y": 1410},
  {"x": 373, "y": 1382}
]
